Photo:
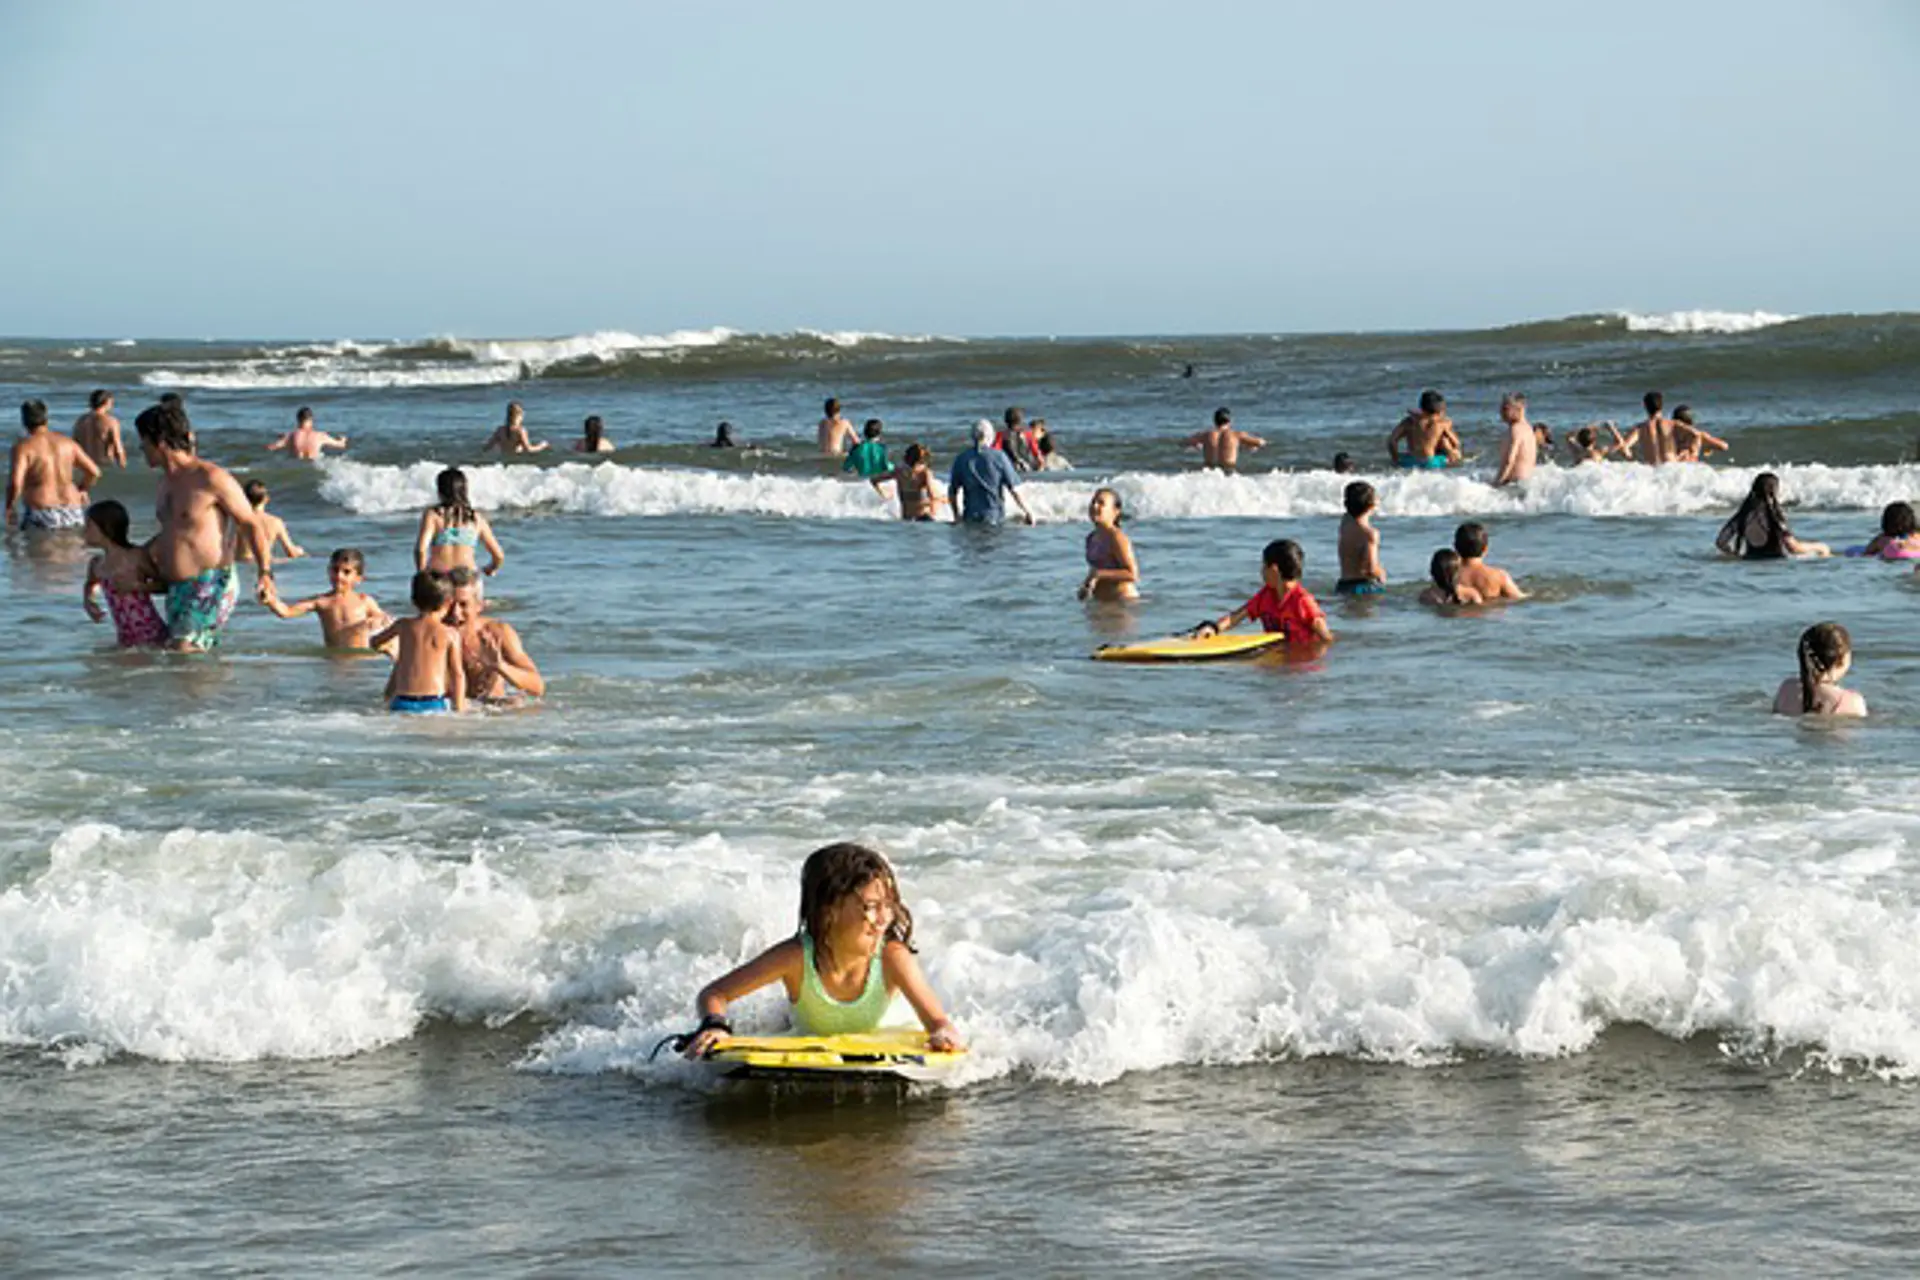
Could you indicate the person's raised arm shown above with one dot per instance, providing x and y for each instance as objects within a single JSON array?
[
  {"x": 281, "y": 443},
  {"x": 491, "y": 543},
  {"x": 1250, "y": 441},
  {"x": 901, "y": 968},
  {"x": 1197, "y": 440},
  {"x": 332, "y": 442},
  {"x": 282, "y": 538},
  {"x": 280, "y": 609},
  {"x": 778, "y": 963}
]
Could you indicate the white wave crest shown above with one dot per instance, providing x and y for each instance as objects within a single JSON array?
[
  {"x": 537, "y": 354},
  {"x": 1702, "y": 321},
  {"x": 297, "y": 372},
  {"x": 855, "y": 337},
  {"x": 1605, "y": 490}
]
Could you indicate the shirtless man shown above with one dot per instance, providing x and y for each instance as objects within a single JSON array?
[
  {"x": 98, "y": 431},
  {"x": 1653, "y": 439},
  {"x": 836, "y": 433},
  {"x": 496, "y": 664},
  {"x": 1220, "y": 444},
  {"x": 1521, "y": 453},
  {"x": 511, "y": 436},
  {"x": 198, "y": 502},
  {"x": 1428, "y": 434},
  {"x": 306, "y": 441},
  {"x": 1470, "y": 543},
  {"x": 40, "y": 478}
]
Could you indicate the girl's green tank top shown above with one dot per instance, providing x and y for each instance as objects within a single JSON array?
[{"x": 816, "y": 1013}]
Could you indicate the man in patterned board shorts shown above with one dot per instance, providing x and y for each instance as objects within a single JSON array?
[{"x": 41, "y": 476}]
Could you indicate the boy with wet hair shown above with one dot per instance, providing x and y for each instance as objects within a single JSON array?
[
  {"x": 429, "y": 674},
  {"x": 835, "y": 433},
  {"x": 1470, "y": 542},
  {"x": 98, "y": 431},
  {"x": 1360, "y": 571},
  {"x": 1282, "y": 604},
  {"x": 868, "y": 459},
  {"x": 348, "y": 616},
  {"x": 275, "y": 527}
]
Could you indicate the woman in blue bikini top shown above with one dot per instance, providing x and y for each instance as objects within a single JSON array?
[{"x": 451, "y": 531}]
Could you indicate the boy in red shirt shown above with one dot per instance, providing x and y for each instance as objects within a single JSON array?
[{"x": 1281, "y": 605}]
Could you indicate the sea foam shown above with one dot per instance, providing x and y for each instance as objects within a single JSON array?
[{"x": 1702, "y": 321}]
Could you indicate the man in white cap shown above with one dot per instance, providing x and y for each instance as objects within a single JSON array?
[{"x": 981, "y": 474}]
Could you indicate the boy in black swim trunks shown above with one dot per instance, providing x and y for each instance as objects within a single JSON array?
[{"x": 1360, "y": 571}]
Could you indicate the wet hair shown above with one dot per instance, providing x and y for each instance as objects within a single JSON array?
[
  {"x": 1119, "y": 509},
  {"x": 1359, "y": 498},
  {"x": 33, "y": 414},
  {"x": 1653, "y": 400},
  {"x": 347, "y": 558},
  {"x": 515, "y": 412},
  {"x": 431, "y": 591},
  {"x": 165, "y": 425},
  {"x": 1683, "y": 414},
  {"x": 837, "y": 872},
  {"x": 1432, "y": 402},
  {"x": 256, "y": 491},
  {"x": 110, "y": 518},
  {"x": 1470, "y": 540},
  {"x": 723, "y": 436},
  {"x": 1897, "y": 520},
  {"x": 916, "y": 454},
  {"x": 1585, "y": 437},
  {"x": 303, "y": 414},
  {"x": 462, "y": 575},
  {"x": 452, "y": 484},
  {"x": 1543, "y": 433},
  {"x": 1285, "y": 555},
  {"x": 832, "y": 407},
  {"x": 1445, "y": 568},
  {"x": 1046, "y": 444},
  {"x": 99, "y": 399},
  {"x": 1221, "y": 417},
  {"x": 594, "y": 430},
  {"x": 1514, "y": 398},
  {"x": 1342, "y": 463},
  {"x": 1823, "y": 646},
  {"x": 1759, "y": 510},
  {"x": 872, "y": 430},
  {"x": 1014, "y": 418},
  {"x": 172, "y": 398}
]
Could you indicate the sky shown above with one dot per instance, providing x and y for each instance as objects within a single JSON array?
[{"x": 369, "y": 169}]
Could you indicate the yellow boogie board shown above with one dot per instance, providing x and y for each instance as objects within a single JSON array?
[
  {"x": 890, "y": 1055},
  {"x": 1191, "y": 648}
]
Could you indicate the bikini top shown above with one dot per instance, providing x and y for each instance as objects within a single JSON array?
[
  {"x": 1101, "y": 553},
  {"x": 455, "y": 535}
]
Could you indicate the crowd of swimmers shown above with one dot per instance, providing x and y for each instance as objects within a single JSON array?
[{"x": 449, "y": 653}]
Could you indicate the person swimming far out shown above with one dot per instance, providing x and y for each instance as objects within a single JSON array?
[
  {"x": 1825, "y": 654},
  {"x": 723, "y": 437},
  {"x": 853, "y": 953},
  {"x": 1758, "y": 530}
]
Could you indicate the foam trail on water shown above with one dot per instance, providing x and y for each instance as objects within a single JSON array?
[{"x": 1703, "y": 321}]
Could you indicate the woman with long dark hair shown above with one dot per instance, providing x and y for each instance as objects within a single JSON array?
[{"x": 1758, "y": 530}]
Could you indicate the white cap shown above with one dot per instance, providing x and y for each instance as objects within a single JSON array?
[{"x": 983, "y": 433}]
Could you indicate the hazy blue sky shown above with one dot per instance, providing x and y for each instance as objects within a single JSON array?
[{"x": 394, "y": 169}]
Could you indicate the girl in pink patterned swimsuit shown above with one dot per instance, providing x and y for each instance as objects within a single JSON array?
[{"x": 125, "y": 574}]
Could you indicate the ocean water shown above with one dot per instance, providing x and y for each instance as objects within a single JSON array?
[{"x": 1475, "y": 935}]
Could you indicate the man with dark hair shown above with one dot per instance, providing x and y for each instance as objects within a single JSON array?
[
  {"x": 836, "y": 433},
  {"x": 40, "y": 476},
  {"x": 1220, "y": 444},
  {"x": 1428, "y": 434},
  {"x": 306, "y": 441},
  {"x": 198, "y": 504},
  {"x": 98, "y": 431},
  {"x": 1653, "y": 437}
]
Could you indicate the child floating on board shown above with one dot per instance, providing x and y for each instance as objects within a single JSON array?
[{"x": 853, "y": 952}]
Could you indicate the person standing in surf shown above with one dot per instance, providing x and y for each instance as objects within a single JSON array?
[
  {"x": 98, "y": 431},
  {"x": 852, "y": 955},
  {"x": 1221, "y": 443},
  {"x": 835, "y": 434},
  {"x": 1476, "y": 575},
  {"x": 1521, "y": 452},
  {"x": 1282, "y": 604},
  {"x": 1359, "y": 544},
  {"x": 306, "y": 441},
  {"x": 203, "y": 515},
  {"x": 913, "y": 484},
  {"x": 1428, "y": 434},
  {"x": 48, "y": 476},
  {"x": 1112, "y": 572},
  {"x": 451, "y": 530},
  {"x": 982, "y": 474},
  {"x": 497, "y": 665}
]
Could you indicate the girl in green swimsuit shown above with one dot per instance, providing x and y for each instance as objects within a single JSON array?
[{"x": 853, "y": 953}]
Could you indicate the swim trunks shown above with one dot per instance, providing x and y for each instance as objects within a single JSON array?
[
  {"x": 47, "y": 519},
  {"x": 1438, "y": 462},
  {"x": 198, "y": 608},
  {"x": 407, "y": 704},
  {"x": 1359, "y": 587}
]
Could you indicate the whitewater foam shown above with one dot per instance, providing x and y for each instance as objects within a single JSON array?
[
  {"x": 534, "y": 355},
  {"x": 301, "y": 372},
  {"x": 1606, "y": 491},
  {"x": 1702, "y": 321}
]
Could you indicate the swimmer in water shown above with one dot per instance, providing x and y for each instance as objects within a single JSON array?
[
  {"x": 915, "y": 485},
  {"x": 1825, "y": 654},
  {"x": 1112, "y": 572},
  {"x": 1360, "y": 571},
  {"x": 1446, "y": 589},
  {"x": 1428, "y": 434},
  {"x": 593, "y": 437},
  {"x": 1897, "y": 539},
  {"x": 1476, "y": 575},
  {"x": 723, "y": 437},
  {"x": 1221, "y": 443}
]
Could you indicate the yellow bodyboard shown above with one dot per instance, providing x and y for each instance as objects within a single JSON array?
[
  {"x": 901, "y": 1055},
  {"x": 1191, "y": 648}
]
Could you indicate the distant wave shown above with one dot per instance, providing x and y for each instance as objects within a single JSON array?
[
  {"x": 1605, "y": 491},
  {"x": 1702, "y": 321},
  {"x": 299, "y": 373}
]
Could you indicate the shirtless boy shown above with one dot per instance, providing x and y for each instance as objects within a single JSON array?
[
  {"x": 428, "y": 674},
  {"x": 836, "y": 433},
  {"x": 1521, "y": 452},
  {"x": 197, "y": 502},
  {"x": 98, "y": 431},
  {"x": 41, "y": 476},
  {"x": 306, "y": 441},
  {"x": 496, "y": 664},
  {"x": 348, "y": 616},
  {"x": 1470, "y": 542},
  {"x": 1428, "y": 434},
  {"x": 1220, "y": 444},
  {"x": 1360, "y": 571},
  {"x": 276, "y": 528}
]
